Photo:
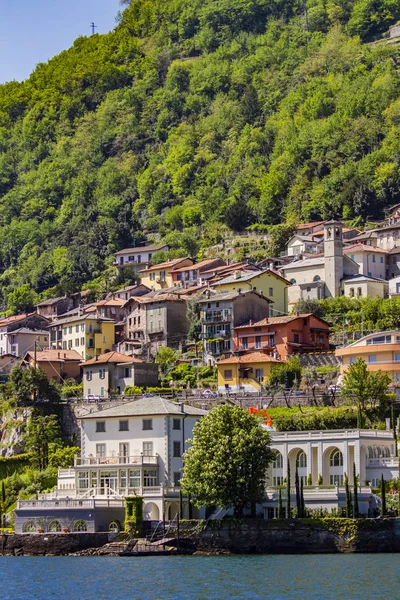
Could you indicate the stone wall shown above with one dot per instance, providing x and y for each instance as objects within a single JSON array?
[
  {"x": 52, "y": 543},
  {"x": 305, "y": 536}
]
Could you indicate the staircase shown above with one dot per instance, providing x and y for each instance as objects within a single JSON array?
[{"x": 319, "y": 359}]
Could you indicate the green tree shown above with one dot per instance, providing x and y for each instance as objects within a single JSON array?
[
  {"x": 27, "y": 385},
  {"x": 193, "y": 317},
  {"x": 288, "y": 507},
  {"x": 280, "y": 508},
  {"x": 63, "y": 458},
  {"x": 349, "y": 506},
  {"x": 383, "y": 496},
  {"x": 236, "y": 451},
  {"x": 356, "y": 512},
  {"x": 363, "y": 386},
  {"x": 166, "y": 358},
  {"x": 308, "y": 305},
  {"x": 42, "y": 435},
  {"x": 22, "y": 300}
]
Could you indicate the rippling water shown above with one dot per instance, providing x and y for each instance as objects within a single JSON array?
[{"x": 308, "y": 577}]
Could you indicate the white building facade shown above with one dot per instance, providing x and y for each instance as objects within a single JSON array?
[
  {"x": 323, "y": 458},
  {"x": 132, "y": 449}
]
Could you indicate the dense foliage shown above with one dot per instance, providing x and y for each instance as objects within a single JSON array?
[
  {"x": 192, "y": 114},
  {"x": 227, "y": 462}
]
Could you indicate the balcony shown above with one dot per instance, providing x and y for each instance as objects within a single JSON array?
[
  {"x": 216, "y": 316},
  {"x": 218, "y": 334},
  {"x": 115, "y": 460},
  {"x": 390, "y": 461}
]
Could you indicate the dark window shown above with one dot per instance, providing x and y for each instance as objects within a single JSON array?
[
  {"x": 127, "y": 372},
  {"x": 177, "y": 449},
  {"x": 177, "y": 478},
  {"x": 124, "y": 425},
  {"x": 176, "y": 424},
  {"x": 147, "y": 424},
  {"x": 100, "y": 426}
]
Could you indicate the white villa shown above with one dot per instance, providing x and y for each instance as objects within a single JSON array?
[
  {"x": 132, "y": 449},
  {"x": 329, "y": 455}
]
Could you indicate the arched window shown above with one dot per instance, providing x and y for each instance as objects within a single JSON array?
[
  {"x": 301, "y": 461},
  {"x": 377, "y": 452},
  {"x": 29, "y": 527},
  {"x": 370, "y": 452},
  {"x": 115, "y": 527},
  {"x": 54, "y": 527},
  {"x": 293, "y": 281},
  {"x": 278, "y": 462},
  {"x": 385, "y": 452},
  {"x": 336, "y": 459},
  {"x": 80, "y": 526},
  {"x": 317, "y": 278}
]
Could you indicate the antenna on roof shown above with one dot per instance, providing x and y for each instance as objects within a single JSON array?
[{"x": 93, "y": 27}]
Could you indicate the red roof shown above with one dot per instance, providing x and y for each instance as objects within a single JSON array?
[
  {"x": 252, "y": 357},
  {"x": 165, "y": 265},
  {"x": 111, "y": 357}
]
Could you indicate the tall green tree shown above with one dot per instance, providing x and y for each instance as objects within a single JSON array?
[
  {"x": 42, "y": 434},
  {"x": 288, "y": 507},
  {"x": 356, "y": 512},
  {"x": 227, "y": 462},
  {"x": 383, "y": 496},
  {"x": 349, "y": 505},
  {"x": 363, "y": 386}
]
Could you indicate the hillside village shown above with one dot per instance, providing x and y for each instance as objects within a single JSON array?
[
  {"x": 222, "y": 329},
  {"x": 236, "y": 318}
]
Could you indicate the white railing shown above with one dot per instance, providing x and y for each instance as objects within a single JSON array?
[
  {"x": 391, "y": 461},
  {"x": 67, "y": 473},
  {"x": 115, "y": 460},
  {"x": 70, "y": 503},
  {"x": 332, "y": 491},
  {"x": 85, "y": 498},
  {"x": 337, "y": 434}
]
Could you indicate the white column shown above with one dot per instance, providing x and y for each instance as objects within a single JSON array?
[
  {"x": 320, "y": 460},
  {"x": 346, "y": 466},
  {"x": 309, "y": 459},
  {"x": 284, "y": 459}
]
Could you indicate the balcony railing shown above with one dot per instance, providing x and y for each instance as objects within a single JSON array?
[
  {"x": 390, "y": 461},
  {"x": 115, "y": 460}
]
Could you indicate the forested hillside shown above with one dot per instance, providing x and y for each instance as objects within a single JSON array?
[{"x": 193, "y": 114}]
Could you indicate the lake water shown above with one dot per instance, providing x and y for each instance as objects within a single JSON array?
[{"x": 308, "y": 577}]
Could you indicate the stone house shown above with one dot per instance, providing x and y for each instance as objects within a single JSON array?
[
  {"x": 22, "y": 340},
  {"x": 220, "y": 313},
  {"x": 137, "y": 258},
  {"x": 114, "y": 372}
]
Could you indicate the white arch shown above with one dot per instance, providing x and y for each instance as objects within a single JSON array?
[{"x": 151, "y": 512}]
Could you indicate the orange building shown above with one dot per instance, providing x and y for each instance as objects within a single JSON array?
[
  {"x": 283, "y": 336},
  {"x": 57, "y": 364}
]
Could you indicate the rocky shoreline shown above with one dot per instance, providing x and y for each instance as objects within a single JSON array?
[{"x": 300, "y": 536}]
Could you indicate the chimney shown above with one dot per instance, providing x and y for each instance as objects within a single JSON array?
[
  {"x": 237, "y": 274},
  {"x": 251, "y": 322},
  {"x": 97, "y": 357},
  {"x": 261, "y": 293}
]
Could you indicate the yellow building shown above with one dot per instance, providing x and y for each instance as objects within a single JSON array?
[
  {"x": 380, "y": 350},
  {"x": 272, "y": 285},
  {"x": 87, "y": 334},
  {"x": 159, "y": 277},
  {"x": 245, "y": 373}
]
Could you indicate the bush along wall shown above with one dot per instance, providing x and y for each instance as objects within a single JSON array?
[{"x": 134, "y": 515}]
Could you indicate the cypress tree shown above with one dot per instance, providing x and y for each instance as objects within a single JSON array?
[
  {"x": 349, "y": 508},
  {"x": 396, "y": 450},
  {"x": 288, "y": 509},
  {"x": 3, "y": 505},
  {"x": 180, "y": 504},
  {"x": 356, "y": 513},
  {"x": 383, "y": 496},
  {"x": 302, "y": 505},
  {"x": 279, "y": 514},
  {"x": 298, "y": 499}
]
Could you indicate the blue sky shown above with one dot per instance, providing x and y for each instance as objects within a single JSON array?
[{"x": 32, "y": 31}]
